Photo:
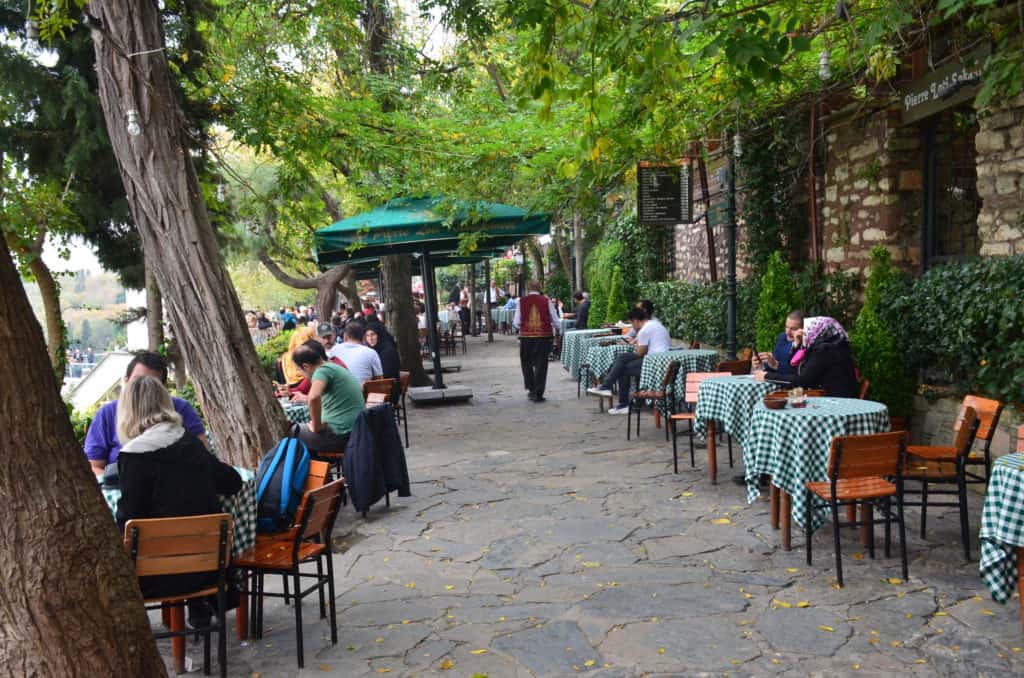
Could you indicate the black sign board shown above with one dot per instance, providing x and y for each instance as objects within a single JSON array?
[
  {"x": 664, "y": 194},
  {"x": 953, "y": 84}
]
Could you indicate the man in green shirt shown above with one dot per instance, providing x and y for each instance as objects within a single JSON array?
[{"x": 335, "y": 399}]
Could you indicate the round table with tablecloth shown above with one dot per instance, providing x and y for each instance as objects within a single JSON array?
[
  {"x": 1002, "y": 527},
  {"x": 729, "y": 401},
  {"x": 690, "y": 360},
  {"x": 601, "y": 358},
  {"x": 571, "y": 353}
]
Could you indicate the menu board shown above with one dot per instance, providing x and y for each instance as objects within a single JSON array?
[{"x": 664, "y": 194}]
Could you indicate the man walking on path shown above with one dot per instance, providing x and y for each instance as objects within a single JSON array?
[{"x": 535, "y": 319}]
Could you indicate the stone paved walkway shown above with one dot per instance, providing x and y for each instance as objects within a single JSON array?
[{"x": 538, "y": 543}]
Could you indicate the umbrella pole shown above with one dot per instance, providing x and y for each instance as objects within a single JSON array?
[
  {"x": 430, "y": 297},
  {"x": 487, "y": 301}
]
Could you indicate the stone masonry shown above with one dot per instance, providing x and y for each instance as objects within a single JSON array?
[{"x": 1000, "y": 152}]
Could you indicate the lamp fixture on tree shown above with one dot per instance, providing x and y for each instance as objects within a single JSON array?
[
  {"x": 132, "y": 123},
  {"x": 737, "y": 146},
  {"x": 221, "y": 193},
  {"x": 824, "y": 71}
]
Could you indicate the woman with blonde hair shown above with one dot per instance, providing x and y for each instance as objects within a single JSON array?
[
  {"x": 291, "y": 375},
  {"x": 165, "y": 472}
]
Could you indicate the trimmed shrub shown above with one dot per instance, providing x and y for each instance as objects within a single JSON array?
[
  {"x": 269, "y": 351},
  {"x": 778, "y": 296},
  {"x": 617, "y": 307}
]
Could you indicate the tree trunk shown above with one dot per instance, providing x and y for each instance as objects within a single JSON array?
[
  {"x": 179, "y": 375},
  {"x": 327, "y": 285},
  {"x": 396, "y": 274},
  {"x": 154, "y": 312},
  {"x": 537, "y": 258},
  {"x": 69, "y": 603},
  {"x": 168, "y": 209},
  {"x": 558, "y": 237},
  {"x": 577, "y": 248},
  {"x": 471, "y": 272},
  {"x": 348, "y": 289},
  {"x": 50, "y": 292}
]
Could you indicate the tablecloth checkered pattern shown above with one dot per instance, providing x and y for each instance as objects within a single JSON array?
[
  {"x": 600, "y": 358},
  {"x": 730, "y": 402},
  {"x": 241, "y": 507},
  {"x": 792, "y": 445},
  {"x": 566, "y": 324},
  {"x": 296, "y": 414},
  {"x": 584, "y": 345},
  {"x": 690, "y": 360},
  {"x": 1002, "y": 526},
  {"x": 571, "y": 352},
  {"x": 502, "y": 315}
]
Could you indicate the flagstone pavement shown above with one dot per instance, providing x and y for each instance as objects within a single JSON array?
[{"x": 538, "y": 542}]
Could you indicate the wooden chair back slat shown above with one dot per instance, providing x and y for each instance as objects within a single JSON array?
[
  {"x": 866, "y": 456},
  {"x": 381, "y": 386},
  {"x": 318, "y": 472},
  {"x": 988, "y": 412},
  {"x": 1020, "y": 438},
  {"x": 403, "y": 382},
  {"x": 374, "y": 399},
  {"x": 736, "y": 367},
  {"x": 693, "y": 382},
  {"x": 323, "y": 509},
  {"x": 865, "y": 386},
  {"x": 178, "y": 545},
  {"x": 671, "y": 372},
  {"x": 966, "y": 431}
]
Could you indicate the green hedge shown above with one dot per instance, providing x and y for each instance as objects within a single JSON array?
[
  {"x": 696, "y": 311},
  {"x": 270, "y": 350},
  {"x": 963, "y": 323}
]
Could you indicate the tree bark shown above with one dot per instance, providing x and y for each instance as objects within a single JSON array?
[
  {"x": 167, "y": 206},
  {"x": 50, "y": 292},
  {"x": 537, "y": 257},
  {"x": 328, "y": 285},
  {"x": 179, "y": 375},
  {"x": 154, "y": 312},
  {"x": 69, "y": 603},
  {"x": 558, "y": 237},
  {"x": 471, "y": 272},
  {"x": 396, "y": 275},
  {"x": 577, "y": 248}
]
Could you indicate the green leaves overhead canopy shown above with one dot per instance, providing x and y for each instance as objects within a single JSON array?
[{"x": 412, "y": 225}]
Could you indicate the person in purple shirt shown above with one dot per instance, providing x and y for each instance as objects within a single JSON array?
[{"x": 101, "y": 443}]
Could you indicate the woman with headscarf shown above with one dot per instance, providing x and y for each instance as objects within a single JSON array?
[
  {"x": 381, "y": 341},
  {"x": 824, "y": 358}
]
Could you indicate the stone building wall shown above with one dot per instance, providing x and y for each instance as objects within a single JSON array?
[{"x": 1000, "y": 152}]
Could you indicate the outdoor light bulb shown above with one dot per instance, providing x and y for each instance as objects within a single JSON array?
[
  {"x": 737, "y": 147},
  {"x": 132, "y": 123},
  {"x": 405, "y": 91},
  {"x": 221, "y": 193},
  {"x": 824, "y": 72},
  {"x": 32, "y": 29}
]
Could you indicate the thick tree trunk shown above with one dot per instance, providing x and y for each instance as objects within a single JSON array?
[
  {"x": 168, "y": 209},
  {"x": 471, "y": 272},
  {"x": 179, "y": 375},
  {"x": 396, "y": 274},
  {"x": 577, "y": 247},
  {"x": 348, "y": 289},
  {"x": 558, "y": 237},
  {"x": 69, "y": 603},
  {"x": 154, "y": 312}
]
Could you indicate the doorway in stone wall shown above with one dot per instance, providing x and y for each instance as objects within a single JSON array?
[{"x": 951, "y": 202}]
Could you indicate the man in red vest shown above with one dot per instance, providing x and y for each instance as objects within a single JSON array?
[{"x": 536, "y": 320}]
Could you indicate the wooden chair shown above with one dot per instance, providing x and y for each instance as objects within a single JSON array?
[
  {"x": 695, "y": 344},
  {"x": 287, "y": 556},
  {"x": 401, "y": 411},
  {"x": 378, "y": 388},
  {"x": 942, "y": 465},
  {"x": 737, "y": 367},
  {"x": 693, "y": 382},
  {"x": 187, "y": 545},
  {"x": 664, "y": 398},
  {"x": 859, "y": 468},
  {"x": 989, "y": 411},
  {"x": 865, "y": 386}
]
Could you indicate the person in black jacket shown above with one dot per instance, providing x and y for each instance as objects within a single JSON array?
[
  {"x": 824, "y": 359},
  {"x": 381, "y": 341},
  {"x": 165, "y": 472},
  {"x": 582, "y": 310}
]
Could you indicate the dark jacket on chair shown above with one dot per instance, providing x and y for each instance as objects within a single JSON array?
[{"x": 374, "y": 462}]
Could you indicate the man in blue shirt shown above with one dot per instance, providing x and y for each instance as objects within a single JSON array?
[
  {"x": 101, "y": 444},
  {"x": 776, "y": 364}
]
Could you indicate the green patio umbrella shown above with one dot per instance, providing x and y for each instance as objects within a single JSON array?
[{"x": 427, "y": 226}]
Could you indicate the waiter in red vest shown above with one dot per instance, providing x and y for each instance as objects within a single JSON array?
[{"x": 535, "y": 318}]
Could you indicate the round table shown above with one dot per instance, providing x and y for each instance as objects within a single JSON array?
[
  {"x": 729, "y": 401},
  {"x": 600, "y": 358},
  {"x": 570, "y": 343},
  {"x": 296, "y": 413},
  {"x": 1002, "y": 528},
  {"x": 690, "y": 360},
  {"x": 792, "y": 446}
]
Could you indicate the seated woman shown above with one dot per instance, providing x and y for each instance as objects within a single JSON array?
[
  {"x": 824, "y": 359},
  {"x": 335, "y": 400},
  {"x": 165, "y": 472},
  {"x": 291, "y": 376},
  {"x": 381, "y": 341}
]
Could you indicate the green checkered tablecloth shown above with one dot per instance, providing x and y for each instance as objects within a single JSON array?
[
  {"x": 296, "y": 414},
  {"x": 690, "y": 360},
  {"x": 241, "y": 507},
  {"x": 600, "y": 358},
  {"x": 502, "y": 315},
  {"x": 792, "y": 445},
  {"x": 730, "y": 402},
  {"x": 571, "y": 352},
  {"x": 1002, "y": 526},
  {"x": 582, "y": 347}
]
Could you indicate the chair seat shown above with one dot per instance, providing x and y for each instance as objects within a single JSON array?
[
  {"x": 854, "y": 488},
  {"x": 180, "y": 598},
  {"x": 923, "y": 469},
  {"x": 683, "y": 416},
  {"x": 933, "y": 452},
  {"x": 648, "y": 394},
  {"x": 276, "y": 555}
]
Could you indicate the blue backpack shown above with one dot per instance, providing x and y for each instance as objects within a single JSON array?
[{"x": 280, "y": 480}]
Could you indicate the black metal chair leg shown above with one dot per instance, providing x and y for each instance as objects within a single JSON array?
[
  {"x": 693, "y": 460},
  {"x": 298, "y": 619},
  {"x": 284, "y": 585},
  {"x": 729, "y": 438},
  {"x": 903, "y": 535},
  {"x": 206, "y": 652},
  {"x": 887, "y": 507},
  {"x": 222, "y": 637},
  {"x": 807, "y": 523},
  {"x": 924, "y": 505},
  {"x": 320, "y": 589},
  {"x": 965, "y": 530},
  {"x": 835, "y": 536},
  {"x": 330, "y": 595},
  {"x": 675, "y": 447},
  {"x": 871, "y": 528},
  {"x": 629, "y": 420}
]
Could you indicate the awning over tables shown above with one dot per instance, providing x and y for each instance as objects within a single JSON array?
[{"x": 413, "y": 225}]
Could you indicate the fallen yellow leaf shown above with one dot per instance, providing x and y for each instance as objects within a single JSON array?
[
  {"x": 483, "y": 651},
  {"x": 826, "y": 628},
  {"x": 895, "y": 643},
  {"x": 855, "y": 667},
  {"x": 661, "y": 650},
  {"x": 449, "y": 587},
  {"x": 1017, "y": 649},
  {"x": 411, "y": 585},
  {"x": 378, "y": 640},
  {"x": 940, "y": 613},
  {"x": 858, "y": 556},
  {"x": 406, "y": 621},
  {"x": 776, "y": 661},
  {"x": 803, "y": 603},
  {"x": 686, "y": 494},
  {"x": 721, "y": 521},
  {"x": 780, "y": 603},
  {"x": 446, "y": 664},
  {"x": 501, "y": 619},
  {"x": 910, "y": 615},
  {"x": 748, "y": 596},
  {"x": 383, "y": 670},
  {"x": 589, "y": 662},
  {"x": 590, "y": 563},
  {"x": 988, "y": 612},
  {"x": 894, "y": 581},
  {"x": 792, "y": 569},
  {"x": 920, "y": 661}
]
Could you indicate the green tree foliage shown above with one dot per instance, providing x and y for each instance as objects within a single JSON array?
[
  {"x": 270, "y": 350},
  {"x": 617, "y": 307},
  {"x": 777, "y": 297},
  {"x": 600, "y": 264},
  {"x": 875, "y": 349},
  {"x": 557, "y": 287}
]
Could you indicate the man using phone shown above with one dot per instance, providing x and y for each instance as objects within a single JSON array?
[{"x": 776, "y": 364}]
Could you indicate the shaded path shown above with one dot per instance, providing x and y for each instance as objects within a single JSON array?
[{"x": 538, "y": 543}]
